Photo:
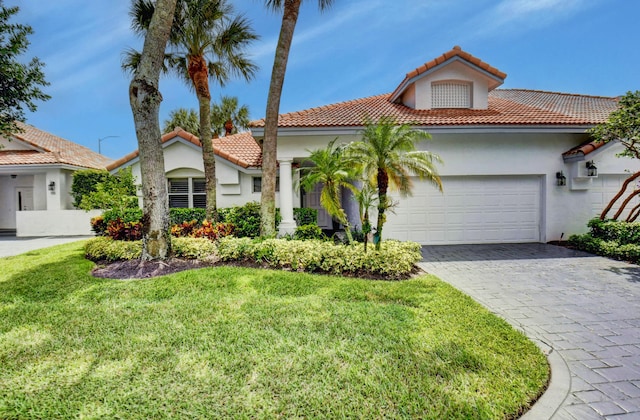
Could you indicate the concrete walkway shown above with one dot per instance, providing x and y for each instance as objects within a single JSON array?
[
  {"x": 583, "y": 308},
  {"x": 10, "y": 245}
]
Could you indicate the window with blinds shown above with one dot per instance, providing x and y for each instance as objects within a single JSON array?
[
  {"x": 187, "y": 193},
  {"x": 451, "y": 95}
]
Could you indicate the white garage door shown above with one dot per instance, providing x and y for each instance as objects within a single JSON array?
[
  {"x": 471, "y": 210},
  {"x": 604, "y": 188}
]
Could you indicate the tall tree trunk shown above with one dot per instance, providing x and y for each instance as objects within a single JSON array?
[
  {"x": 383, "y": 186},
  {"x": 145, "y": 99},
  {"x": 270, "y": 143},
  {"x": 200, "y": 77}
]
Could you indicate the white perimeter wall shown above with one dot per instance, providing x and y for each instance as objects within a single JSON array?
[{"x": 55, "y": 222}]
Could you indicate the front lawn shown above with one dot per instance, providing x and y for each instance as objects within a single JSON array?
[{"x": 244, "y": 343}]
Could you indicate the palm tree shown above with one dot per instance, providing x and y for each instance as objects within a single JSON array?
[
  {"x": 187, "y": 119},
  {"x": 332, "y": 171},
  {"x": 227, "y": 117},
  {"x": 388, "y": 157},
  {"x": 145, "y": 99},
  {"x": 290, "y": 10},
  {"x": 366, "y": 198},
  {"x": 207, "y": 42}
]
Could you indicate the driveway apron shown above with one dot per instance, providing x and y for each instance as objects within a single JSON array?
[{"x": 581, "y": 307}]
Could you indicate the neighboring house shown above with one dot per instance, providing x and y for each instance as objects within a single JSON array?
[
  {"x": 503, "y": 151},
  {"x": 36, "y": 170}
]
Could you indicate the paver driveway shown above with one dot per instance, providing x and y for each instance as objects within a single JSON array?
[{"x": 585, "y": 308}]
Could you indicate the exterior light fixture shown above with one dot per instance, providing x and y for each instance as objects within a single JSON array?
[
  {"x": 561, "y": 180},
  {"x": 591, "y": 169},
  {"x": 52, "y": 186},
  {"x": 13, "y": 176}
]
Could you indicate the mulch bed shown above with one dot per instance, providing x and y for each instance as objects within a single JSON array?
[{"x": 137, "y": 269}]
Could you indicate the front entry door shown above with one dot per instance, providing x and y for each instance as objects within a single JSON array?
[
  {"x": 312, "y": 200},
  {"x": 24, "y": 199}
]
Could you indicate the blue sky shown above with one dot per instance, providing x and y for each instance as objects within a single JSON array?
[{"x": 358, "y": 48}]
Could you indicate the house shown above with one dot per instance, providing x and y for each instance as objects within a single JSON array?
[
  {"x": 518, "y": 164},
  {"x": 36, "y": 170}
]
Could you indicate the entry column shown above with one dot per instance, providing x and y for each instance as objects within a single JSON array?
[{"x": 288, "y": 224}]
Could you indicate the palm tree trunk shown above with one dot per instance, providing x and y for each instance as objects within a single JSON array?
[
  {"x": 270, "y": 143},
  {"x": 145, "y": 99},
  {"x": 200, "y": 77},
  {"x": 383, "y": 186}
]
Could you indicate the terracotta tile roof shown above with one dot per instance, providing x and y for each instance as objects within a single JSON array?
[
  {"x": 505, "y": 107},
  {"x": 51, "y": 150},
  {"x": 240, "y": 149},
  {"x": 455, "y": 52},
  {"x": 582, "y": 150}
]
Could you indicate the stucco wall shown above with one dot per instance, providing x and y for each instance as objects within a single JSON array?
[
  {"x": 564, "y": 210},
  {"x": 55, "y": 223}
]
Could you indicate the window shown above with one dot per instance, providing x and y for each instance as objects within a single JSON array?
[
  {"x": 451, "y": 95},
  {"x": 187, "y": 193},
  {"x": 257, "y": 184}
]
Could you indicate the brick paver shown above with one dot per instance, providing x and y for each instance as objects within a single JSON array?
[{"x": 584, "y": 307}]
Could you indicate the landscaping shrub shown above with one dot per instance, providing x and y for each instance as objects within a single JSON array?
[
  {"x": 124, "y": 231},
  {"x": 126, "y": 215},
  {"x": 610, "y": 238},
  {"x": 306, "y": 232},
  {"x": 105, "y": 248},
  {"x": 177, "y": 216},
  {"x": 305, "y": 216},
  {"x": 193, "y": 248},
  {"x": 614, "y": 230},
  {"x": 235, "y": 249},
  {"x": 246, "y": 219},
  {"x": 99, "y": 226},
  {"x": 184, "y": 228},
  {"x": 395, "y": 259},
  {"x": 85, "y": 181},
  {"x": 213, "y": 232}
]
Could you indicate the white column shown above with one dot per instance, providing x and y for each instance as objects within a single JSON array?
[
  {"x": 53, "y": 190},
  {"x": 287, "y": 225}
]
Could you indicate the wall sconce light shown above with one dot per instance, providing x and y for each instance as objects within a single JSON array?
[
  {"x": 52, "y": 186},
  {"x": 591, "y": 169},
  {"x": 14, "y": 176},
  {"x": 561, "y": 180}
]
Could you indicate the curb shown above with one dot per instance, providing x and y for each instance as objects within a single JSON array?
[{"x": 558, "y": 389}]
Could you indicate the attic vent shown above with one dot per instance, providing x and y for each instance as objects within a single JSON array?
[{"x": 451, "y": 95}]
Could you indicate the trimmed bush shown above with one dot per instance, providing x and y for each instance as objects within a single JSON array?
[
  {"x": 305, "y": 216},
  {"x": 307, "y": 232},
  {"x": 613, "y": 230},
  {"x": 125, "y": 215},
  {"x": 193, "y": 248},
  {"x": 178, "y": 216},
  {"x": 395, "y": 260},
  {"x": 105, "y": 248},
  {"x": 606, "y": 248}
]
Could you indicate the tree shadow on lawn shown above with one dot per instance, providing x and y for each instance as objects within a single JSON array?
[{"x": 48, "y": 282}]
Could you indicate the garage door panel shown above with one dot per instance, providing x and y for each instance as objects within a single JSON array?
[{"x": 471, "y": 210}]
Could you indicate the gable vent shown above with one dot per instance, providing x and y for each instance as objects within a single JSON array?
[{"x": 451, "y": 95}]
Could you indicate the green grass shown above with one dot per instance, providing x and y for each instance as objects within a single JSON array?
[{"x": 242, "y": 343}]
